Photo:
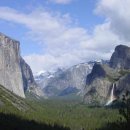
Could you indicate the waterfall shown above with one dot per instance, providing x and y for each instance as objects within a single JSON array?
[
  {"x": 111, "y": 96},
  {"x": 112, "y": 93}
]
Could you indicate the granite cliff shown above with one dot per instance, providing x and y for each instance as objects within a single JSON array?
[
  {"x": 63, "y": 82},
  {"x": 102, "y": 77},
  {"x": 15, "y": 74},
  {"x": 10, "y": 71},
  {"x": 120, "y": 58},
  {"x": 29, "y": 83}
]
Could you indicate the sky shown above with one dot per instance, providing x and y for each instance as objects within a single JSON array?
[{"x": 61, "y": 33}]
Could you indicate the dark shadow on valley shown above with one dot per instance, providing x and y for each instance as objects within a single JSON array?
[
  {"x": 116, "y": 126},
  {"x": 12, "y": 122}
]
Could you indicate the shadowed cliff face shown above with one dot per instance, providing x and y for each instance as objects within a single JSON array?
[
  {"x": 28, "y": 80},
  {"x": 26, "y": 74},
  {"x": 121, "y": 58},
  {"x": 123, "y": 84},
  {"x": 99, "y": 81},
  {"x": 97, "y": 71},
  {"x": 10, "y": 71}
]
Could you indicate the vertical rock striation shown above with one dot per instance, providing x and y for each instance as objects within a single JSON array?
[
  {"x": 10, "y": 70},
  {"x": 15, "y": 74},
  {"x": 28, "y": 79}
]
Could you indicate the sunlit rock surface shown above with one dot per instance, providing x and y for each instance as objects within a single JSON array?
[
  {"x": 15, "y": 73},
  {"x": 10, "y": 70}
]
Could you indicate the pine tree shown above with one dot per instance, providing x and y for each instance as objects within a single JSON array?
[{"x": 125, "y": 109}]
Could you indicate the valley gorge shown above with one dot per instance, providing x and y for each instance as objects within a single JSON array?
[
  {"x": 93, "y": 81},
  {"x": 64, "y": 65}
]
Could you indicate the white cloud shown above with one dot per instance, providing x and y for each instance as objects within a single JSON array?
[
  {"x": 118, "y": 13},
  {"x": 61, "y": 1},
  {"x": 68, "y": 44},
  {"x": 103, "y": 39},
  {"x": 75, "y": 45}
]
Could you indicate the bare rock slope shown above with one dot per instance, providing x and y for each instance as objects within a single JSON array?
[{"x": 15, "y": 74}]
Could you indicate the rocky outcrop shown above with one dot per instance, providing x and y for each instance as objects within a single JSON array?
[
  {"x": 97, "y": 92},
  {"x": 122, "y": 85},
  {"x": 15, "y": 73},
  {"x": 100, "y": 81},
  {"x": 97, "y": 71},
  {"x": 26, "y": 74},
  {"x": 29, "y": 83},
  {"x": 10, "y": 71},
  {"x": 121, "y": 58}
]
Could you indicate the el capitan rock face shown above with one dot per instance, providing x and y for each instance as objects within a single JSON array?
[
  {"x": 10, "y": 71},
  {"x": 100, "y": 81},
  {"x": 15, "y": 73}
]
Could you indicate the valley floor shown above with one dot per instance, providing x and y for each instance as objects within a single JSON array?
[{"x": 56, "y": 115}]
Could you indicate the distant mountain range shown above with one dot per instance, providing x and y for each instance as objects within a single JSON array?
[{"x": 63, "y": 82}]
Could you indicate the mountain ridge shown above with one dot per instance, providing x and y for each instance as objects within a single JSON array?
[
  {"x": 56, "y": 82},
  {"x": 98, "y": 89}
]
